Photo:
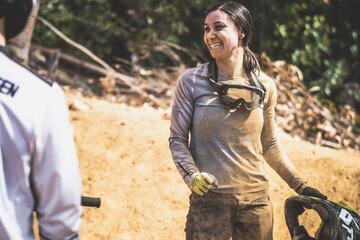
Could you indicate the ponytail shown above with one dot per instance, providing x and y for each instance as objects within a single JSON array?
[{"x": 251, "y": 63}]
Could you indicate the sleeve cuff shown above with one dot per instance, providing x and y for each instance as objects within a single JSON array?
[{"x": 300, "y": 188}]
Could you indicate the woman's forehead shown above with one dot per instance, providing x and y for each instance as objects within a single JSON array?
[{"x": 217, "y": 16}]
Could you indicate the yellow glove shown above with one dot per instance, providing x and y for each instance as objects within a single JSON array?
[{"x": 200, "y": 183}]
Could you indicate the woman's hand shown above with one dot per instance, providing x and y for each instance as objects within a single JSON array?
[
  {"x": 313, "y": 192},
  {"x": 200, "y": 183}
]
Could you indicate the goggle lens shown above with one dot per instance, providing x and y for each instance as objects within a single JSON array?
[
  {"x": 233, "y": 94},
  {"x": 237, "y": 95}
]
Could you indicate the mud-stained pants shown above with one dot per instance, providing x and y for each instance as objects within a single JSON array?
[{"x": 223, "y": 217}]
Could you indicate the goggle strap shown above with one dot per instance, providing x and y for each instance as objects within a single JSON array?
[
  {"x": 213, "y": 71},
  {"x": 256, "y": 85},
  {"x": 254, "y": 80}
]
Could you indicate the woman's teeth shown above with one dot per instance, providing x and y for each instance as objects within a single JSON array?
[{"x": 215, "y": 45}]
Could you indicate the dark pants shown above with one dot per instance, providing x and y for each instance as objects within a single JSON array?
[{"x": 222, "y": 216}]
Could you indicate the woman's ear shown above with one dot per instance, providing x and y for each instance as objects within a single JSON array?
[{"x": 241, "y": 34}]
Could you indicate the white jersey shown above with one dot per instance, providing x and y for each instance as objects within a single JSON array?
[{"x": 38, "y": 164}]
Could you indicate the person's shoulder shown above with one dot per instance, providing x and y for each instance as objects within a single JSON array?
[
  {"x": 30, "y": 75},
  {"x": 195, "y": 73},
  {"x": 267, "y": 81},
  {"x": 20, "y": 74},
  {"x": 270, "y": 87},
  {"x": 25, "y": 85},
  {"x": 264, "y": 78}
]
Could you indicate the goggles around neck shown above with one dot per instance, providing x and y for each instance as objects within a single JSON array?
[{"x": 237, "y": 95}]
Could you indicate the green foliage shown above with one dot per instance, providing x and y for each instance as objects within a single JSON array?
[
  {"x": 322, "y": 38},
  {"x": 112, "y": 28},
  {"x": 84, "y": 23}
]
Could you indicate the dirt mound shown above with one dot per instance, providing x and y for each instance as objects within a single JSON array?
[{"x": 124, "y": 158}]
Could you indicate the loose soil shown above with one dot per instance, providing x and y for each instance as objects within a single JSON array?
[{"x": 125, "y": 159}]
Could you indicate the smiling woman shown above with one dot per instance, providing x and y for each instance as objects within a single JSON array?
[
  {"x": 227, "y": 34},
  {"x": 221, "y": 35},
  {"x": 227, "y": 106}
]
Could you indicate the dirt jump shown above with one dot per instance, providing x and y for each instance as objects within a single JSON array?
[{"x": 125, "y": 159}]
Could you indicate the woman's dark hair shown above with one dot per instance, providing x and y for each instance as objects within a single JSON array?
[{"x": 242, "y": 19}]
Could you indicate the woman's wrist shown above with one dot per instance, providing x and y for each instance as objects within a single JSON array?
[{"x": 300, "y": 188}]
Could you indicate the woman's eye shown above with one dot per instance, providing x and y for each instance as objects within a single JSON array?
[
  {"x": 206, "y": 29},
  {"x": 219, "y": 27}
]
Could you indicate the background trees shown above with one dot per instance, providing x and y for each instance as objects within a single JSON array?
[{"x": 321, "y": 37}]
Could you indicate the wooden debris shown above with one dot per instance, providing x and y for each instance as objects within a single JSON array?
[
  {"x": 301, "y": 114},
  {"x": 78, "y": 105},
  {"x": 109, "y": 79}
]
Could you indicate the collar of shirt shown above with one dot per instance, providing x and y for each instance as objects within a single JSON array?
[{"x": 4, "y": 50}]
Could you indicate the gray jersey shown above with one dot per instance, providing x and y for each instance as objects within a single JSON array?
[
  {"x": 229, "y": 144},
  {"x": 38, "y": 164}
]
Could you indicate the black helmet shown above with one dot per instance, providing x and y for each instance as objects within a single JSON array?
[
  {"x": 16, "y": 13},
  {"x": 338, "y": 222}
]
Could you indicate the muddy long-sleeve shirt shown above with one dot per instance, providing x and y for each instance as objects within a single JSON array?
[
  {"x": 38, "y": 164},
  {"x": 229, "y": 144}
]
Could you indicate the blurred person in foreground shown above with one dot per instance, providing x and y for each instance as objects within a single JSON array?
[
  {"x": 39, "y": 170},
  {"x": 228, "y": 108}
]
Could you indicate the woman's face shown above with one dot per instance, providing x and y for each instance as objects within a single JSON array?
[{"x": 221, "y": 35}]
